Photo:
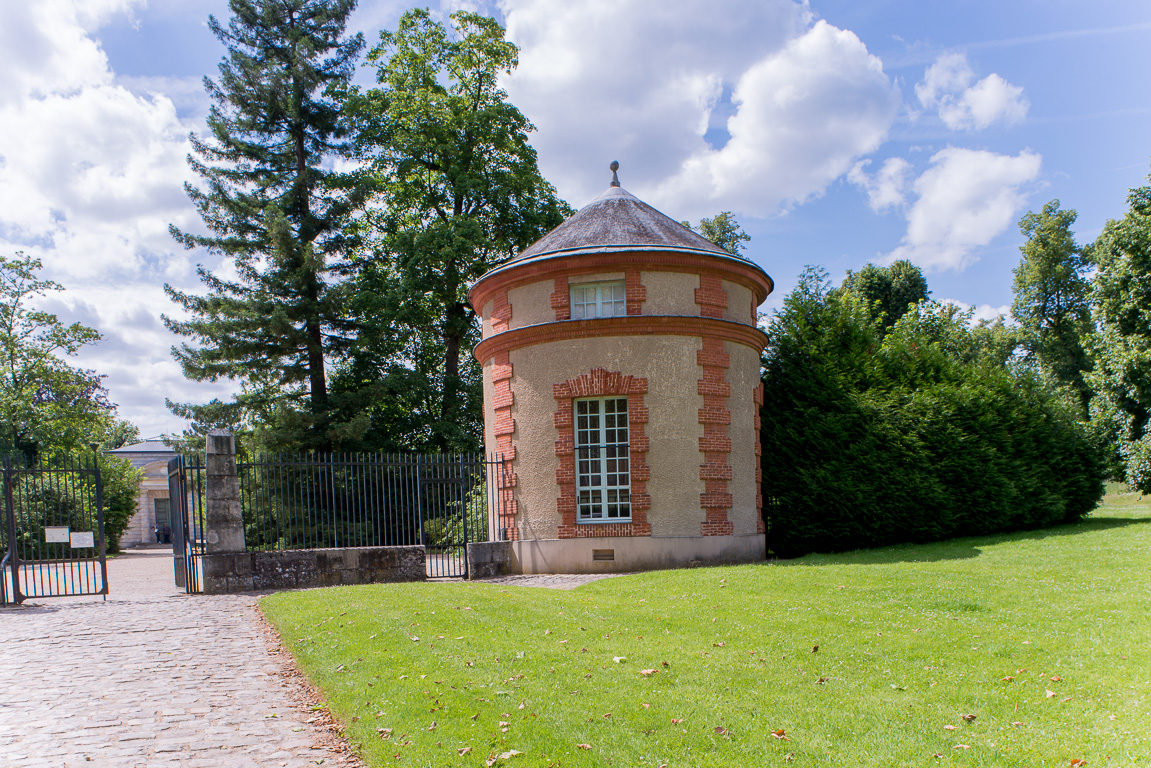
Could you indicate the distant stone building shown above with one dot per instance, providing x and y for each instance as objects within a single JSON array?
[
  {"x": 620, "y": 359},
  {"x": 153, "y": 509}
]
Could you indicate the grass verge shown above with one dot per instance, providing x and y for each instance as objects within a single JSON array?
[{"x": 1029, "y": 649}]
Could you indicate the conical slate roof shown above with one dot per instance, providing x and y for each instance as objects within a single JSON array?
[{"x": 619, "y": 221}]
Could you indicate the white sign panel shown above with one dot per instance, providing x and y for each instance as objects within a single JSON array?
[
  {"x": 56, "y": 535},
  {"x": 84, "y": 539}
]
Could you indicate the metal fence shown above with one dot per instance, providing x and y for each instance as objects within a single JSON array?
[
  {"x": 318, "y": 501},
  {"x": 52, "y": 542}
]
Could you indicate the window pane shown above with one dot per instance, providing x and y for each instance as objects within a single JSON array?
[{"x": 602, "y": 459}]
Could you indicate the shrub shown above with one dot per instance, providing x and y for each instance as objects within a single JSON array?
[{"x": 919, "y": 435}]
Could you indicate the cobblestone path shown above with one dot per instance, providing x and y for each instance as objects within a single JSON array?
[{"x": 152, "y": 677}]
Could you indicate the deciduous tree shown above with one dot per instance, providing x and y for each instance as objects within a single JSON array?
[
  {"x": 1052, "y": 292},
  {"x": 1121, "y": 307},
  {"x": 887, "y": 292},
  {"x": 45, "y": 403},
  {"x": 457, "y": 192}
]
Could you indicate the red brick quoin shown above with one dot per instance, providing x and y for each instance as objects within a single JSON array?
[
  {"x": 757, "y": 397},
  {"x": 600, "y": 382},
  {"x": 714, "y": 416},
  {"x": 504, "y": 426}
]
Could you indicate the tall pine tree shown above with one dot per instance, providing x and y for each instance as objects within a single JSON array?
[{"x": 270, "y": 205}]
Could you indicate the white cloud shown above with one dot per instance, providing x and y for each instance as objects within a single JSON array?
[
  {"x": 91, "y": 174},
  {"x": 947, "y": 87},
  {"x": 887, "y": 187},
  {"x": 642, "y": 82},
  {"x": 965, "y": 199},
  {"x": 982, "y": 311}
]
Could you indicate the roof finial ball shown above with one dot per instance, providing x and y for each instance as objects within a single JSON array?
[{"x": 614, "y": 167}]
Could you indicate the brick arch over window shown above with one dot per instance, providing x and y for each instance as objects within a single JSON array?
[{"x": 600, "y": 382}]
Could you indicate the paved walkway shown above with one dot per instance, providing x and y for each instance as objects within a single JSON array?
[
  {"x": 150, "y": 678},
  {"x": 154, "y": 677}
]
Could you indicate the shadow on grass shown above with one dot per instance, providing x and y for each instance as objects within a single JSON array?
[{"x": 957, "y": 549}]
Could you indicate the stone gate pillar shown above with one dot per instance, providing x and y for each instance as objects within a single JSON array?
[
  {"x": 227, "y": 564},
  {"x": 224, "y": 518}
]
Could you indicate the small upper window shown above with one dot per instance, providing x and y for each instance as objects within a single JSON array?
[{"x": 598, "y": 300}]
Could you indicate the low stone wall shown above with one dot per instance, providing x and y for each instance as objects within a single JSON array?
[
  {"x": 300, "y": 568},
  {"x": 488, "y": 559}
]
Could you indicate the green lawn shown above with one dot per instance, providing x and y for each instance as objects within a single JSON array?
[{"x": 1043, "y": 637}]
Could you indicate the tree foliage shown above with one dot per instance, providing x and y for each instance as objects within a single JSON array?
[
  {"x": 1121, "y": 301},
  {"x": 274, "y": 207},
  {"x": 45, "y": 403},
  {"x": 1052, "y": 297},
  {"x": 457, "y": 192},
  {"x": 877, "y": 435},
  {"x": 723, "y": 230},
  {"x": 887, "y": 292}
]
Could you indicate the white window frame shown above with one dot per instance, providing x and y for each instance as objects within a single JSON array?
[
  {"x": 603, "y": 460},
  {"x": 605, "y": 299}
]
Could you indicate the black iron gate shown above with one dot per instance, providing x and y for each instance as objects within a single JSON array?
[
  {"x": 186, "y": 498},
  {"x": 449, "y": 491},
  {"x": 53, "y": 538}
]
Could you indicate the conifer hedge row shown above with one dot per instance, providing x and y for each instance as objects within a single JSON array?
[{"x": 913, "y": 435}]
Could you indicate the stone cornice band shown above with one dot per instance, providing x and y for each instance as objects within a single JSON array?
[
  {"x": 515, "y": 273},
  {"x": 633, "y": 325}
]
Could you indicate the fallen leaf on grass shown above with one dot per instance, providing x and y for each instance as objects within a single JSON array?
[
  {"x": 502, "y": 756},
  {"x": 1008, "y": 678},
  {"x": 648, "y": 672},
  {"x": 718, "y": 645},
  {"x": 608, "y": 714},
  {"x": 432, "y": 727},
  {"x": 584, "y": 746},
  {"x": 949, "y": 727},
  {"x": 1016, "y": 722},
  {"x": 464, "y": 750},
  {"x": 676, "y": 720},
  {"x": 719, "y": 729},
  {"x": 961, "y": 746},
  {"x": 1056, "y": 679},
  {"x": 968, "y": 718},
  {"x": 821, "y": 680},
  {"x": 619, "y": 659},
  {"x": 1077, "y": 762},
  {"x": 815, "y": 649},
  {"x": 1049, "y": 692},
  {"x": 780, "y": 734},
  {"x": 647, "y": 706}
]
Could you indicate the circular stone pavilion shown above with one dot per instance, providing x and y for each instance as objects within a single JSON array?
[{"x": 621, "y": 386}]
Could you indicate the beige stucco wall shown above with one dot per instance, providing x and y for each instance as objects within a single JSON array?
[
  {"x": 743, "y": 376},
  {"x": 739, "y": 301},
  {"x": 486, "y": 319},
  {"x": 669, "y": 365},
  {"x": 532, "y": 303},
  {"x": 669, "y": 293}
]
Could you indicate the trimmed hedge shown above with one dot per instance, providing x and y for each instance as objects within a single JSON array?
[{"x": 916, "y": 436}]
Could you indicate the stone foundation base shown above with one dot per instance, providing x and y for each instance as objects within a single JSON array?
[
  {"x": 292, "y": 569},
  {"x": 639, "y": 553}
]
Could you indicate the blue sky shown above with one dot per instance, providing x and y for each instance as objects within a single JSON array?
[{"x": 839, "y": 132}]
